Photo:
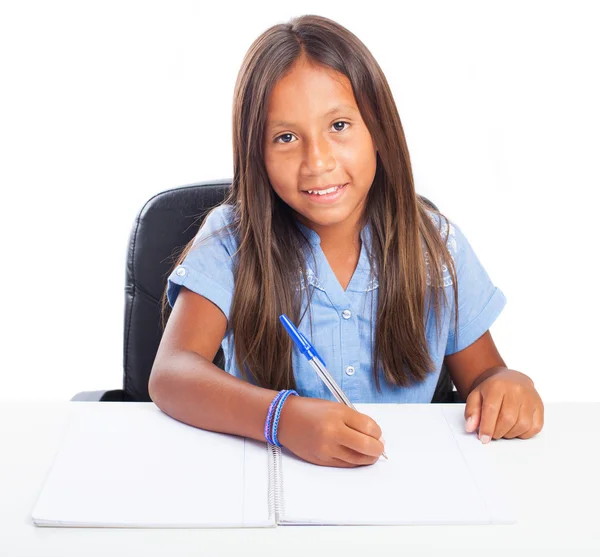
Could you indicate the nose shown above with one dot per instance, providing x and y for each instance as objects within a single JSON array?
[{"x": 319, "y": 157}]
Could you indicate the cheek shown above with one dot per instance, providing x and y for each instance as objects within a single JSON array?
[
  {"x": 359, "y": 160},
  {"x": 369, "y": 159},
  {"x": 281, "y": 172},
  {"x": 357, "y": 147}
]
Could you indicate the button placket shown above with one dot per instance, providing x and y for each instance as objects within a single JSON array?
[{"x": 350, "y": 342}]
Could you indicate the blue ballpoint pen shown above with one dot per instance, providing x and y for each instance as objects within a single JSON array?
[{"x": 316, "y": 362}]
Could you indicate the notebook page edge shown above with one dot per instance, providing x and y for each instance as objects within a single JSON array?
[{"x": 492, "y": 486}]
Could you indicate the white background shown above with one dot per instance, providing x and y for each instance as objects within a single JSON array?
[{"x": 103, "y": 104}]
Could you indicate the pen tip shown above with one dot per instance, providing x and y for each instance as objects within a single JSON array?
[{"x": 384, "y": 456}]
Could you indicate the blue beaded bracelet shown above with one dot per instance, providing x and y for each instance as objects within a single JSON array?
[
  {"x": 270, "y": 415},
  {"x": 277, "y": 414}
]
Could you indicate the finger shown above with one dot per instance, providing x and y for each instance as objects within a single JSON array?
[
  {"x": 353, "y": 457},
  {"x": 332, "y": 461},
  {"x": 508, "y": 416},
  {"x": 362, "y": 423},
  {"x": 473, "y": 410},
  {"x": 340, "y": 463},
  {"x": 537, "y": 424},
  {"x": 490, "y": 409},
  {"x": 361, "y": 444},
  {"x": 523, "y": 424}
]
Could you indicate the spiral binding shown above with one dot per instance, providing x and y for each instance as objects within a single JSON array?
[{"x": 276, "y": 507}]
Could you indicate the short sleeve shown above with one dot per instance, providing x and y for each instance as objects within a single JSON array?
[
  {"x": 480, "y": 302},
  {"x": 208, "y": 267}
]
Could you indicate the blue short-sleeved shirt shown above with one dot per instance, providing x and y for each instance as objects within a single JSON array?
[{"x": 343, "y": 320}]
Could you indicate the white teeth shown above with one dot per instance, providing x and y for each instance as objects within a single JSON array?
[{"x": 324, "y": 192}]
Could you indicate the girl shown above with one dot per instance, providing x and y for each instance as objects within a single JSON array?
[{"x": 323, "y": 224}]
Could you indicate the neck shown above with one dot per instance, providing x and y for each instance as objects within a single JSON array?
[{"x": 343, "y": 237}]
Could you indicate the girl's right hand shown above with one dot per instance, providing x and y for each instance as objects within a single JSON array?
[{"x": 328, "y": 433}]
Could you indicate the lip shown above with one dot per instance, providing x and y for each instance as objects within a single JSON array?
[
  {"x": 328, "y": 197},
  {"x": 328, "y": 186}
]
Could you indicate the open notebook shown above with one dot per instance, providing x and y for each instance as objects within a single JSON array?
[{"x": 131, "y": 465}]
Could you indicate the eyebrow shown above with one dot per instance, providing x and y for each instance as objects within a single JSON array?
[{"x": 334, "y": 110}]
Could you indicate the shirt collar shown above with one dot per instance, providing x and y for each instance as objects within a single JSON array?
[{"x": 361, "y": 280}]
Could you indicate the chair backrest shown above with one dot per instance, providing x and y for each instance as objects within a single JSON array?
[{"x": 162, "y": 228}]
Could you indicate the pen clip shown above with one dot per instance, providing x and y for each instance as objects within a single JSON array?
[
  {"x": 303, "y": 344},
  {"x": 313, "y": 349}
]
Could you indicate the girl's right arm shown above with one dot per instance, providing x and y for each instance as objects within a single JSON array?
[{"x": 186, "y": 385}]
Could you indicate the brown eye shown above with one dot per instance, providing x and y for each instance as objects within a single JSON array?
[
  {"x": 340, "y": 122},
  {"x": 289, "y": 135},
  {"x": 283, "y": 135}
]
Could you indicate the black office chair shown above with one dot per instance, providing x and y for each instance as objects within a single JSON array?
[{"x": 164, "y": 225}]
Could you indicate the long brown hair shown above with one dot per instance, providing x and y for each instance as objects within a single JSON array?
[{"x": 270, "y": 255}]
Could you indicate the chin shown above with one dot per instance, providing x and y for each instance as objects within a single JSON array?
[{"x": 325, "y": 218}]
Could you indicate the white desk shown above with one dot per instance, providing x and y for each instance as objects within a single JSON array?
[{"x": 555, "y": 474}]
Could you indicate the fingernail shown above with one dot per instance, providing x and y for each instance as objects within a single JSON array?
[
  {"x": 485, "y": 439},
  {"x": 382, "y": 439},
  {"x": 470, "y": 423}
]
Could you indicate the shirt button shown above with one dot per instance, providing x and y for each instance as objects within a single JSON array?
[
  {"x": 346, "y": 314},
  {"x": 350, "y": 370},
  {"x": 180, "y": 271}
]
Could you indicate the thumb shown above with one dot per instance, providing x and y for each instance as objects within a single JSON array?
[{"x": 473, "y": 411}]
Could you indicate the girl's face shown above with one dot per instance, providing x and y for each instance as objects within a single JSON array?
[{"x": 316, "y": 139}]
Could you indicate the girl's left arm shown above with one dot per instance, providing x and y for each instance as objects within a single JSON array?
[{"x": 502, "y": 402}]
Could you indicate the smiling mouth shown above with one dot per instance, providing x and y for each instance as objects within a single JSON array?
[{"x": 325, "y": 192}]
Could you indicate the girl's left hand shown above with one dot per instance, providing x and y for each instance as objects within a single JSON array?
[{"x": 504, "y": 404}]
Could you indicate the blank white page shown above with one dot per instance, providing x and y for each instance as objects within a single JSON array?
[
  {"x": 131, "y": 465},
  {"x": 430, "y": 478}
]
